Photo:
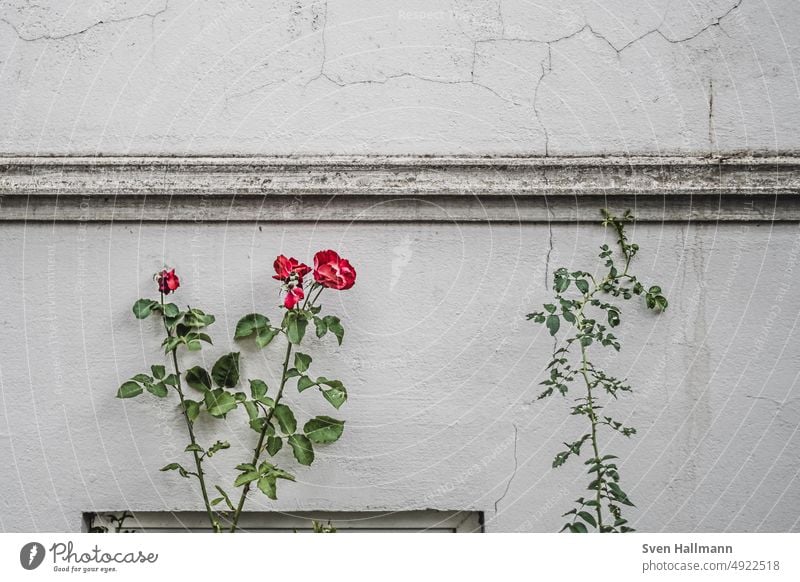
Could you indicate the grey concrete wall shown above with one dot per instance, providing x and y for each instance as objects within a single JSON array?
[
  {"x": 441, "y": 365},
  {"x": 432, "y": 77}
]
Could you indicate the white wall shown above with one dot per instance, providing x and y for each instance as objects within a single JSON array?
[
  {"x": 432, "y": 76},
  {"x": 441, "y": 365}
]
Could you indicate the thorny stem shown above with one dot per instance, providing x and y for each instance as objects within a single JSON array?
[
  {"x": 197, "y": 459},
  {"x": 590, "y": 402},
  {"x": 261, "y": 437},
  {"x": 268, "y": 420}
]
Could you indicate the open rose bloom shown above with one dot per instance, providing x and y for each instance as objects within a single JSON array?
[
  {"x": 286, "y": 268},
  {"x": 330, "y": 270}
]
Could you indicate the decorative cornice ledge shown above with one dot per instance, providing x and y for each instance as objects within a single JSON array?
[{"x": 398, "y": 189}]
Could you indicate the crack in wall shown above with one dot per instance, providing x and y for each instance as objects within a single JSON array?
[
  {"x": 152, "y": 15},
  {"x": 513, "y": 473},
  {"x": 711, "y": 129},
  {"x": 545, "y": 71},
  {"x": 323, "y": 31},
  {"x": 546, "y": 65}
]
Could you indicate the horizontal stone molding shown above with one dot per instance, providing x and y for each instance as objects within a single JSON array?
[{"x": 398, "y": 189}]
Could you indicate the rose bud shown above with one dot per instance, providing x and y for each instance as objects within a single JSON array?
[
  {"x": 293, "y": 297},
  {"x": 167, "y": 281},
  {"x": 332, "y": 271}
]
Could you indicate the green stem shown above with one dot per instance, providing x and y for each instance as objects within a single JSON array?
[
  {"x": 257, "y": 450},
  {"x": 189, "y": 427},
  {"x": 593, "y": 419},
  {"x": 262, "y": 436},
  {"x": 590, "y": 398}
]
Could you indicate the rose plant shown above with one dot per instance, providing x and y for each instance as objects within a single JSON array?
[
  {"x": 219, "y": 392},
  {"x": 582, "y": 303}
]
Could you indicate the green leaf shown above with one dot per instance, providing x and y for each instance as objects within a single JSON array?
[
  {"x": 171, "y": 310},
  {"x": 281, "y": 474},
  {"x": 587, "y": 517},
  {"x": 226, "y": 370},
  {"x": 258, "y": 389},
  {"x": 159, "y": 389},
  {"x": 336, "y": 394},
  {"x": 195, "y": 318},
  {"x": 285, "y": 418},
  {"x": 158, "y": 372},
  {"x": 334, "y": 326},
  {"x": 250, "y": 324},
  {"x": 171, "y": 379},
  {"x": 302, "y": 449},
  {"x": 176, "y": 467},
  {"x": 225, "y": 497},
  {"x": 257, "y": 424},
  {"x": 142, "y": 379},
  {"x": 265, "y": 336},
  {"x": 192, "y": 409},
  {"x": 322, "y": 329},
  {"x": 582, "y": 285},
  {"x": 619, "y": 494},
  {"x": 143, "y": 308},
  {"x": 274, "y": 444},
  {"x": 304, "y": 382},
  {"x": 219, "y": 403},
  {"x": 266, "y": 485},
  {"x": 218, "y": 446},
  {"x": 578, "y": 527},
  {"x": 251, "y": 408},
  {"x": 171, "y": 344},
  {"x": 295, "y": 326},
  {"x": 193, "y": 447},
  {"x": 553, "y": 323},
  {"x": 245, "y": 478},
  {"x": 129, "y": 390},
  {"x": 323, "y": 429},
  {"x": 560, "y": 282},
  {"x": 198, "y": 379},
  {"x": 302, "y": 362}
]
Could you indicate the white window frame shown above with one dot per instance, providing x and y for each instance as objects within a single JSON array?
[{"x": 425, "y": 521}]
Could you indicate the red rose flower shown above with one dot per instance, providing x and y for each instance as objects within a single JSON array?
[
  {"x": 167, "y": 281},
  {"x": 331, "y": 270},
  {"x": 293, "y": 296},
  {"x": 285, "y": 268}
]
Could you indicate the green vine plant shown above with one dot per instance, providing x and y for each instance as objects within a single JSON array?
[
  {"x": 219, "y": 392},
  {"x": 588, "y": 306}
]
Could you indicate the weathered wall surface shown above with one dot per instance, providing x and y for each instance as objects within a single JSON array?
[
  {"x": 441, "y": 366},
  {"x": 420, "y": 77}
]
